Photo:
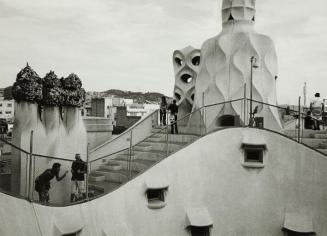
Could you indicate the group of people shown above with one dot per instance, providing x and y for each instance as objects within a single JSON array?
[
  {"x": 314, "y": 116},
  {"x": 78, "y": 188},
  {"x": 172, "y": 109}
]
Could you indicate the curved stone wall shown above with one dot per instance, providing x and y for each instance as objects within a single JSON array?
[{"x": 240, "y": 200}]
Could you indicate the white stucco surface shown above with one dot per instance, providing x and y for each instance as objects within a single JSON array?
[{"x": 206, "y": 174}]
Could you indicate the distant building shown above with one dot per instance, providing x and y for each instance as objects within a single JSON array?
[
  {"x": 87, "y": 108},
  {"x": 2, "y": 91},
  {"x": 122, "y": 112},
  {"x": 7, "y": 109},
  {"x": 141, "y": 110},
  {"x": 103, "y": 107},
  {"x": 123, "y": 120}
]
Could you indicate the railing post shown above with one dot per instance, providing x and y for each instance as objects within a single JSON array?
[
  {"x": 87, "y": 171},
  {"x": 201, "y": 120},
  {"x": 167, "y": 145},
  {"x": 244, "y": 106},
  {"x": 299, "y": 120},
  {"x": 29, "y": 181},
  {"x": 202, "y": 133},
  {"x": 204, "y": 116},
  {"x": 130, "y": 155}
]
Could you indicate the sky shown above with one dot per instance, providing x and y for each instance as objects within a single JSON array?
[{"x": 128, "y": 44}]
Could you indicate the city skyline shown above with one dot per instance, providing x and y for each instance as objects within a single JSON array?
[{"x": 128, "y": 45}]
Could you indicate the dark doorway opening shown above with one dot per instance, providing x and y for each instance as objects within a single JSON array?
[{"x": 226, "y": 120}]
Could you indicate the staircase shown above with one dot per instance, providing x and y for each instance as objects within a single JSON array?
[
  {"x": 316, "y": 139},
  {"x": 118, "y": 170}
]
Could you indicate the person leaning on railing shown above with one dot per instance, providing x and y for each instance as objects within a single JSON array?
[{"x": 42, "y": 182}]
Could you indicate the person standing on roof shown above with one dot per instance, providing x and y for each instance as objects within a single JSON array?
[
  {"x": 173, "y": 108},
  {"x": 316, "y": 108},
  {"x": 78, "y": 188},
  {"x": 163, "y": 111}
]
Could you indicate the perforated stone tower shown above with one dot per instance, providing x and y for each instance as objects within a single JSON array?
[
  {"x": 225, "y": 67},
  {"x": 186, "y": 66}
]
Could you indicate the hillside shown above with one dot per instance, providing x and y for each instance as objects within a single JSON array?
[{"x": 137, "y": 96}]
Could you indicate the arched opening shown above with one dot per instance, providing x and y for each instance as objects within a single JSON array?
[
  {"x": 186, "y": 78},
  {"x": 226, "y": 121},
  {"x": 178, "y": 61},
  {"x": 178, "y": 96},
  {"x": 196, "y": 61}
]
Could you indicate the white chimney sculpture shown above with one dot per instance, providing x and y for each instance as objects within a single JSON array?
[{"x": 225, "y": 68}]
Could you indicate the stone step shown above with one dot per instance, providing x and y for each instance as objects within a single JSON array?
[
  {"x": 323, "y": 151},
  {"x": 155, "y": 139},
  {"x": 94, "y": 177},
  {"x": 116, "y": 176},
  {"x": 138, "y": 165},
  {"x": 315, "y": 143},
  {"x": 144, "y": 155},
  {"x": 111, "y": 166},
  {"x": 321, "y": 136},
  {"x": 307, "y": 133},
  {"x": 142, "y": 147},
  {"x": 157, "y": 154},
  {"x": 162, "y": 145},
  {"x": 95, "y": 191},
  {"x": 147, "y": 146},
  {"x": 104, "y": 186},
  {"x": 182, "y": 138}
]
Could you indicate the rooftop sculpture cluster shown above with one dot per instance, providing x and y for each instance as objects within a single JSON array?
[
  {"x": 223, "y": 70},
  {"x": 50, "y": 90}
]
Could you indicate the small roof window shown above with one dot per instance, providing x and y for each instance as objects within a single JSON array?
[
  {"x": 156, "y": 189},
  {"x": 298, "y": 223},
  {"x": 71, "y": 227},
  {"x": 198, "y": 217}
]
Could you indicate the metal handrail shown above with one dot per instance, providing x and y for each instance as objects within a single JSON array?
[
  {"x": 271, "y": 105},
  {"x": 222, "y": 103},
  {"x": 126, "y": 131},
  {"x": 13, "y": 145},
  {"x": 295, "y": 111},
  {"x": 106, "y": 156},
  {"x": 51, "y": 157}
]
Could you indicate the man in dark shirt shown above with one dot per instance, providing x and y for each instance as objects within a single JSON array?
[
  {"x": 173, "y": 108},
  {"x": 79, "y": 169},
  {"x": 42, "y": 182},
  {"x": 308, "y": 121}
]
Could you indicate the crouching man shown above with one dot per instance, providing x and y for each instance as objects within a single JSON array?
[{"x": 42, "y": 182}]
